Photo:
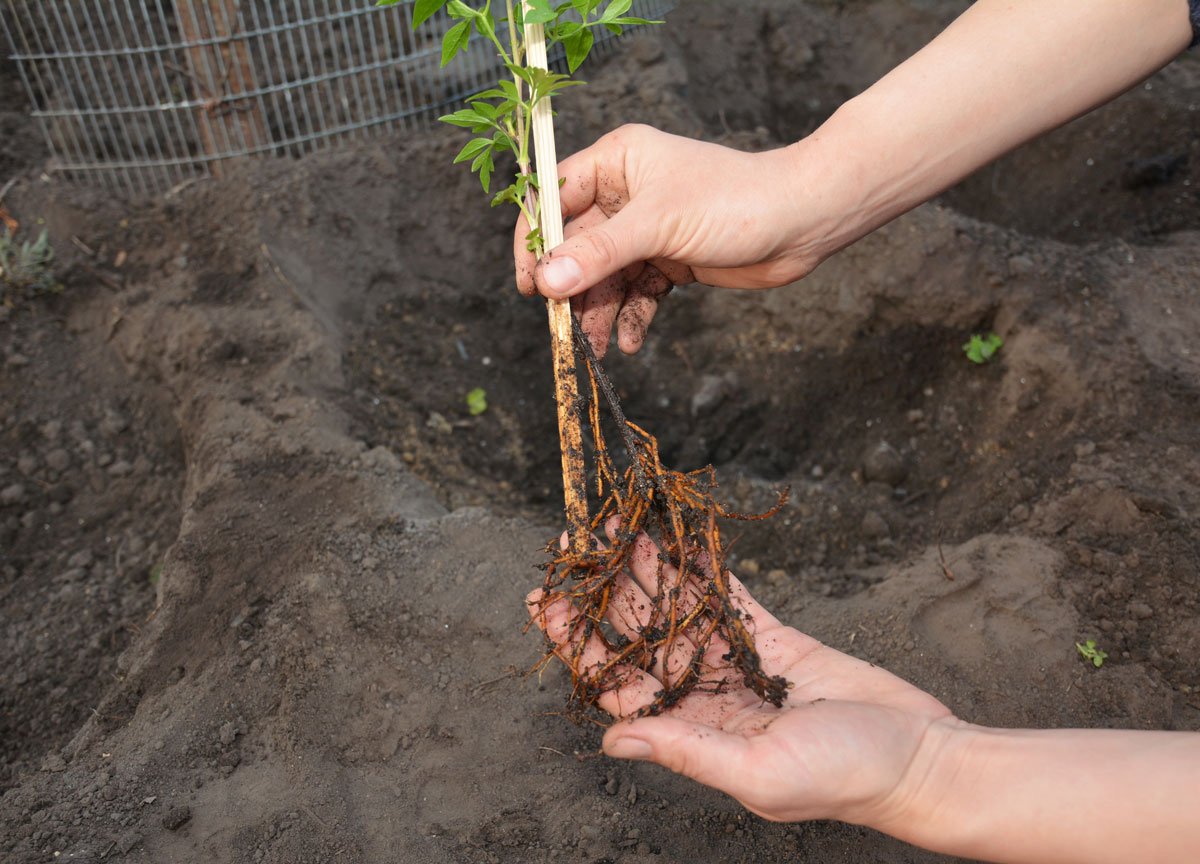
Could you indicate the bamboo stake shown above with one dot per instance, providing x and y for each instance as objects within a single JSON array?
[{"x": 566, "y": 384}]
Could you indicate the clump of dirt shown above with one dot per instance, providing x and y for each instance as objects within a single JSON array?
[{"x": 263, "y": 570}]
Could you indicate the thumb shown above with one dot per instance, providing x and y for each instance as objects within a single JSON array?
[
  {"x": 704, "y": 754},
  {"x": 592, "y": 255}
]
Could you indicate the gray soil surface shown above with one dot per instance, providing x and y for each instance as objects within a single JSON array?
[{"x": 261, "y": 572}]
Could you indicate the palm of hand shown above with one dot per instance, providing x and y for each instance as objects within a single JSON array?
[{"x": 838, "y": 748}]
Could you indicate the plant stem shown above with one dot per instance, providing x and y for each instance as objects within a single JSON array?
[{"x": 566, "y": 384}]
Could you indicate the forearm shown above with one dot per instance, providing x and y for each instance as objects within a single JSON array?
[
  {"x": 1051, "y": 796},
  {"x": 1003, "y": 73}
]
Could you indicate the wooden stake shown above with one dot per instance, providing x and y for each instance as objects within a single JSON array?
[
  {"x": 221, "y": 68},
  {"x": 566, "y": 384}
]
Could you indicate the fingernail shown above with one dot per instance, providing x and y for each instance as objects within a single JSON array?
[
  {"x": 561, "y": 275},
  {"x": 629, "y": 748}
]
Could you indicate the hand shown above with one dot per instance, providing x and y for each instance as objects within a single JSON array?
[
  {"x": 840, "y": 747},
  {"x": 649, "y": 211}
]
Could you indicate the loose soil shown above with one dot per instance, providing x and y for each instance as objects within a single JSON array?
[{"x": 262, "y": 571}]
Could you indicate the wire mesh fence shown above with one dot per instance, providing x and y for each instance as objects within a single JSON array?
[{"x": 141, "y": 95}]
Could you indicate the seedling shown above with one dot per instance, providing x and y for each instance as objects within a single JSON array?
[
  {"x": 477, "y": 402},
  {"x": 502, "y": 117},
  {"x": 678, "y": 508},
  {"x": 1089, "y": 651},
  {"x": 26, "y": 268},
  {"x": 981, "y": 349}
]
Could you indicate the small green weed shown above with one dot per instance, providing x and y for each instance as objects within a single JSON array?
[
  {"x": 1089, "y": 651},
  {"x": 477, "y": 401},
  {"x": 26, "y": 268},
  {"x": 981, "y": 349}
]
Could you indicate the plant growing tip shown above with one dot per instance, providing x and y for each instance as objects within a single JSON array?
[
  {"x": 981, "y": 349},
  {"x": 1088, "y": 651}
]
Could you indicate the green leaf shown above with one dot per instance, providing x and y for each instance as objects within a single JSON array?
[
  {"x": 533, "y": 240},
  {"x": 507, "y": 195},
  {"x": 629, "y": 21},
  {"x": 477, "y": 401},
  {"x": 456, "y": 40},
  {"x": 459, "y": 9},
  {"x": 422, "y": 10},
  {"x": 981, "y": 349},
  {"x": 484, "y": 165},
  {"x": 510, "y": 90},
  {"x": 501, "y": 142},
  {"x": 472, "y": 149},
  {"x": 521, "y": 72},
  {"x": 539, "y": 12},
  {"x": 464, "y": 117},
  {"x": 615, "y": 9},
  {"x": 578, "y": 45},
  {"x": 485, "y": 109}
]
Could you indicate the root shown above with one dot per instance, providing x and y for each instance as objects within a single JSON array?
[{"x": 691, "y": 605}]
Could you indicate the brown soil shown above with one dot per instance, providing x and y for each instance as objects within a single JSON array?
[{"x": 262, "y": 572}]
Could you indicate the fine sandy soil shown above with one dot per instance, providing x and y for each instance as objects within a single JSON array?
[{"x": 261, "y": 572}]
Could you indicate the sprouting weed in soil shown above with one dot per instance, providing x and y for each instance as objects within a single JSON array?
[
  {"x": 980, "y": 348},
  {"x": 1088, "y": 651},
  {"x": 477, "y": 402},
  {"x": 693, "y": 610},
  {"x": 26, "y": 269}
]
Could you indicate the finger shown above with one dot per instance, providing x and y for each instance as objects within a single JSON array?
[
  {"x": 676, "y": 273},
  {"x": 597, "y": 307},
  {"x": 754, "y": 614},
  {"x": 524, "y": 260},
  {"x": 593, "y": 255},
  {"x": 598, "y": 312},
  {"x": 595, "y": 175},
  {"x": 641, "y": 303},
  {"x": 656, "y": 576},
  {"x": 632, "y": 609},
  {"x": 645, "y": 563},
  {"x": 703, "y": 753},
  {"x": 631, "y": 690}
]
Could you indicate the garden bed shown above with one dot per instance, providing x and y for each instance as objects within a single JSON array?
[{"x": 262, "y": 581}]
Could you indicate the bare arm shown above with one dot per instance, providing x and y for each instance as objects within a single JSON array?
[
  {"x": 650, "y": 209},
  {"x": 1005, "y": 72},
  {"x": 1053, "y": 796}
]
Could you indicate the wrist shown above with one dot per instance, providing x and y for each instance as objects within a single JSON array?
[
  {"x": 919, "y": 807},
  {"x": 834, "y": 187}
]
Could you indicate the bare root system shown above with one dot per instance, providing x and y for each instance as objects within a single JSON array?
[{"x": 691, "y": 610}]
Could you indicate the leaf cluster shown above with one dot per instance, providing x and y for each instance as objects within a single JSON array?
[
  {"x": 501, "y": 118},
  {"x": 980, "y": 349},
  {"x": 27, "y": 268},
  {"x": 1088, "y": 651}
]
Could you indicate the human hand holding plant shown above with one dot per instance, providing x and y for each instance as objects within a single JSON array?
[
  {"x": 840, "y": 747},
  {"x": 651, "y": 210},
  {"x": 854, "y": 742}
]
